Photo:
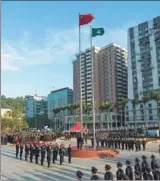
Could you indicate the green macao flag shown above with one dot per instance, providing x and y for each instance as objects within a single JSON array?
[{"x": 97, "y": 32}]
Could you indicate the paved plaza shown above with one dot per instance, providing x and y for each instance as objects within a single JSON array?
[{"x": 15, "y": 169}]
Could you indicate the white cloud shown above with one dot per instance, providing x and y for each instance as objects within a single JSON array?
[{"x": 59, "y": 46}]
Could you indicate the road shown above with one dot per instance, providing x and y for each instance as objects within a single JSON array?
[{"x": 15, "y": 169}]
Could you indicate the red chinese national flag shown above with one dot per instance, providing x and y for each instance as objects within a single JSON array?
[{"x": 85, "y": 19}]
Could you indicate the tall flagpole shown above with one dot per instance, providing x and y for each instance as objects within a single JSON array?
[
  {"x": 93, "y": 101},
  {"x": 81, "y": 106}
]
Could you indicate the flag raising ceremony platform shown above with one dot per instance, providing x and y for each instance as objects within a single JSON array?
[{"x": 89, "y": 152}]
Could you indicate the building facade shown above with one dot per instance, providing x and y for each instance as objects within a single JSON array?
[
  {"x": 57, "y": 98},
  {"x": 110, "y": 77},
  {"x": 36, "y": 106},
  {"x": 143, "y": 70}
]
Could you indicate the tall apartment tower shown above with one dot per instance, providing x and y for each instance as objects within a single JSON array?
[
  {"x": 112, "y": 67},
  {"x": 110, "y": 74},
  {"x": 144, "y": 58},
  {"x": 86, "y": 76}
]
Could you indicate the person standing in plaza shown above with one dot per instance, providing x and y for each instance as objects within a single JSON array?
[
  {"x": 31, "y": 152},
  {"x": 26, "y": 151},
  {"x": 144, "y": 144},
  {"x": 144, "y": 164},
  {"x": 37, "y": 153},
  {"x": 69, "y": 153},
  {"x": 119, "y": 172},
  {"x": 137, "y": 166},
  {"x": 49, "y": 155},
  {"x": 21, "y": 151},
  {"x": 153, "y": 163},
  {"x": 94, "y": 174},
  {"x": 108, "y": 175},
  {"x": 129, "y": 170},
  {"x": 43, "y": 152},
  {"x": 17, "y": 149},
  {"x": 61, "y": 155},
  {"x": 53, "y": 154},
  {"x": 56, "y": 151}
]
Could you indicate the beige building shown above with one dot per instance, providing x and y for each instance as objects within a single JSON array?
[{"x": 110, "y": 75}]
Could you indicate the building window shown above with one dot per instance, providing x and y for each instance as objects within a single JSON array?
[{"x": 150, "y": 117}]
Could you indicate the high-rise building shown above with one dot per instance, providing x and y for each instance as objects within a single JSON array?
[
  {"x": 86, "y": 76},
  {"x": 110, "y": 75},
  {"x": 144, "y": 58},
  {"x": 143, "y": 72},
  {"x": 112, "y": 67},
  {"x": 58, "y": 98},
  {"x": 35, "y": 106}
]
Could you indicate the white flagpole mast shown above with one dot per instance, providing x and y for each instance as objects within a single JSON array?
[
  {"x": 93, "y": 101},
  {"x": 81, "y": 106}
]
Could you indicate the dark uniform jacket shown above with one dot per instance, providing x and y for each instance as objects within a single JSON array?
[
  {"x": 129, "y": 172},
  {"x": 153, "y": 164},
  {"x": 95, "y": 177},
  {"x": 119, "y": 174},
  {"x": 108, "y": 176},
  {"x": 137, "y": 167},
  {"x": 144, "y": 165}
]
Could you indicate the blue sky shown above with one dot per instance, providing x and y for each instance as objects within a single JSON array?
[{"x": 40, "y": 39}]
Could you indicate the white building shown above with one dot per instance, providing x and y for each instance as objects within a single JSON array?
[{"x": 143, "y": 70}]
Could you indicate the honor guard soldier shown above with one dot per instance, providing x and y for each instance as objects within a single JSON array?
[
  {"x": 144, "y": 164},
  {"x": 69, "y": 153},
  {"x": 137, "y": 166},
  {"x": 144, "y": 144},
  {"x": 26, "y": 151},
  {"x": 153, "y": 163},
  {"x": 21, "y": 151},
  {"x": 108, "y": 175},
  {"x": 17, "y": 149},
  {"x": 120, "y": 171},
  {"x": 54, "y": 152},
  {"x": 49, "y": 152},
  {"x": 34, "y": 151},
  {"x": 156, "y": 175},
  {"x": 79, "y": 175},
  {"x": 129, "y": 170},
  {"x": 37, "y": 153},
  {"x": 43, "y": 152},
  {"x": 61, "y": 155},
  {"x": 138, "y": 175},
  {"x": 147, "y": 175},
  {"x": 63, "y": 151},
  {"x": 94, "y": 174},
  {"x": 31, "y": 153}
]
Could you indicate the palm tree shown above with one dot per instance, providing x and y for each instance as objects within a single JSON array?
[
  {"x": 87, "y": 108},
  {"x": 74, "y": 108},
  {"x": 107, "y": 106}
]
